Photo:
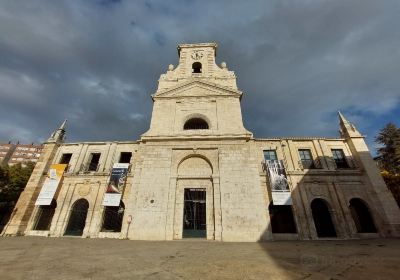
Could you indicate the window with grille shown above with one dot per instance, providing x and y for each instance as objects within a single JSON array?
[
  {"x": 306, "y": 158},
  {"x": 339, "y": 158},
  {"x": 94, "y": 162},
  {"x": 270, "y": 155}
]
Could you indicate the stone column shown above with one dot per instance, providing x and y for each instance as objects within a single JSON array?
[{"x": 26, "y": 203}]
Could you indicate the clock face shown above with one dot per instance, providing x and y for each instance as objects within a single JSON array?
[{"x": 196, "y": 55}]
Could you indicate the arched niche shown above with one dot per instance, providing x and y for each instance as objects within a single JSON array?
[{"x": 195, "y": 166}]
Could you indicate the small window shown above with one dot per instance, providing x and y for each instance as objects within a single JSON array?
[
  {"x": 94, "y": 162},
  {"x": 306, "y": 159},
  {"x": 195, "y": 123},
  {"x": 339, "y": 158},
  {"x": 65, "y": 158},
  {"x": 270, "y": 155},
  {"x": 125, "y": 157},
  {"x": 196, "y": 67}
]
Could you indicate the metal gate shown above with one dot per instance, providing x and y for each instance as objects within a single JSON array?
[
  {"x": 77, "y": 218},
  {"x": 194, "y": 214}
]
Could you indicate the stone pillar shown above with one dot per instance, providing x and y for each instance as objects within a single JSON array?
[
  {"x": 217, "y": 208},
  {"x": 377, "y": 189},
  {"x": 26, "y": 202}
]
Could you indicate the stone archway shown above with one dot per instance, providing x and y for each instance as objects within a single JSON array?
[
  {"x": 322, "y": 218},
  {"x": 194, "y": 208},
  {"x": 362, "y": 216},
  {"x": 77, "y": 218}
]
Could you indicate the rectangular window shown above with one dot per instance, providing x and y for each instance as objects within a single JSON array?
[
  {"x": 306, "y": 159},
  {"x": 65, "y": 158},
  {"x": 339, "y": 158},
  {"x": 125, "y": 157},
  {"x": 94, "y": 162},
  {"x": 270, "y": 155}
]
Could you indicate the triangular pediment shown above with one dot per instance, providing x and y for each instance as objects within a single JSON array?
[{"x": 197, "y": 89}]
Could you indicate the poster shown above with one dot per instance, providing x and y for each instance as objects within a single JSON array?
[
  {"x": 51, "y": 183},
  {"x": 279, "y": 183},
  {"x": 116, "y": 184}
]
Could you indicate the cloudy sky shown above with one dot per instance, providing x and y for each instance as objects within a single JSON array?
[{"x": 96, "y": 62}]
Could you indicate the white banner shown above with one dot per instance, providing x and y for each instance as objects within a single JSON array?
[
  {"x": 50, "y": 185},
  {"x": 278, "y": 182},
  {"x": 116, "y": 184}
]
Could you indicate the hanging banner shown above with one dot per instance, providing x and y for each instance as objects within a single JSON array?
[
  {"x": 51, "y": 183},
  {"x": 279, "y": 183},
  {"x": 116, "y": 184}
]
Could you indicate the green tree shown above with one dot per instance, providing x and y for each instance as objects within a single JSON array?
[
  {"x": 393, "y": 183},
  {"x": 389, "y": 152},
  {"x": 13, "y": 180}
]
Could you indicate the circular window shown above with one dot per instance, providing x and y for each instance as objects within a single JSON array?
[{"x": 195, "y": 123}]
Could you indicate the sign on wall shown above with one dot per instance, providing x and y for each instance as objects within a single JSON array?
[
  {"x": 279, "y": 183},
  {"x": 116, "y": 184},
  {"x": 51, "y": 183}
]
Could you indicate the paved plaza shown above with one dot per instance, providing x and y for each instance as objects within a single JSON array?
[{"x": 76, "y": 258}]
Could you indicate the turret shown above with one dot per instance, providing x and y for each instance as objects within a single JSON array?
[
  {"x": 23, "y": 210},
  {"x": 376, "y": 187},
  {"x": 58, "y": 135}
]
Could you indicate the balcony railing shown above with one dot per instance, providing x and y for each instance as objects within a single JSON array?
[
  {"x": 90, "y": 167},
  {"x": 310, "y": 164},
  {"x": 345, "y": 163}
]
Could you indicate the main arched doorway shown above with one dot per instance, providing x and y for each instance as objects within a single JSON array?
[
  {"x": 362, "y": 216},
  {"x": 45, "y": 216},
  {"x": 322, "y": 218},
  {"x": 77, "y": 218},
  {"x": 194, "y": 189}
]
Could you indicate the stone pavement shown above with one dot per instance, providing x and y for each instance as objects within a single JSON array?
[{"x": 76, "y": 258}]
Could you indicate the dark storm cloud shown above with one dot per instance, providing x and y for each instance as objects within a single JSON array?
[{"x": 97, "y": 62}]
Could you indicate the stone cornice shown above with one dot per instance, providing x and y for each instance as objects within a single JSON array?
[{"x": 215, "y": 87}]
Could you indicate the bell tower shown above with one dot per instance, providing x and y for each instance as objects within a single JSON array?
[{"x": 197, "y": 99}]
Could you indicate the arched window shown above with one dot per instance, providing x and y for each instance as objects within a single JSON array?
[
  {"x": 361, "y": 216},
  {"x": 196, "y": 67},
  {"x": 77, "y": 218},
  {"x": 195, "y": 123},
  {"x": 322, "y": 218},
  {"x": 112, "y": 218},
  {"x": 45, "y": 215},
  {"x": 282, "y": 220}
]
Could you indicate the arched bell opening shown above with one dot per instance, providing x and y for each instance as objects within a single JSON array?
[
  {"x": 195, "y": 123},
  {"x": 196, "y": 68}
]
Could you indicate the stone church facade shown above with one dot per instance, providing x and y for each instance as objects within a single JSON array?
[{"x": 197, "y": 172}]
